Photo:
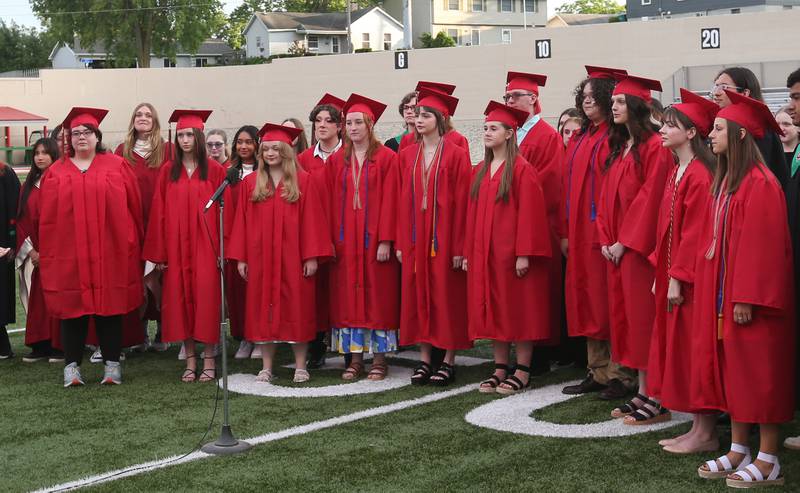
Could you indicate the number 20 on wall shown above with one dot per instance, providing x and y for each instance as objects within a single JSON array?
[{"x": 709, "y": 38}]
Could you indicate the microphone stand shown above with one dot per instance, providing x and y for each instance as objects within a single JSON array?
[{"x": 227, "y": 443}]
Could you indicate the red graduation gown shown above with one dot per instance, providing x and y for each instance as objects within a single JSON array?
[
  {"x": 585, "y": 281},
  {"x": 669, "y": 364},
  {"x": 364, "y": 293},
  {"x": 502, "y": 306},
  {"x": 750, "y": 372},
  {"x": 235, "y": 286},
  {"x": 275, "y": 237},
  {"x": 628, "y": 213},
  {"x": 451, "y": 136},
  {"x": 39, "y": 325},
  {"x": 543, "y": 147},
  {"x": 90, "y": 231},
  {"x": 184, "y": 238},
  {"x": 433, "y": 293}
]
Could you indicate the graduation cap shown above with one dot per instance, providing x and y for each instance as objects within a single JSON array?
[
  {"x": 699, "y": 110},
  {"x": 499, "y": 112},
  {"x": 750, "y": 113},
  {"x": 436, "y": 86},
  {"x": 358, "y": 103},
  {"x": 443, "y": 103},
  {"x": 189, "y": 119},
  {"x": 84, "y": 116},
  {"x": 525, "y": 82},
  {"x": 332, "y": 100},
  {"x": 595, "y": 72},
  {"x": 640, "y": 87},
  {"x": 272, "y": 132}
]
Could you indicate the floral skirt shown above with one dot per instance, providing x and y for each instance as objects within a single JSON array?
[{"x": 359, "y": 340}]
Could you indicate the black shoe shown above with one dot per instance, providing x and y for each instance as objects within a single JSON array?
[
  {"x": 5, "y": 345},
  {"x": 317, "y": 352},
  {"x": 56, "y": 356},
  {"x": 588, "y": 385},
  {"x": 36, "y": 355},
  {"x": 315, "y": 361},
  {"x": 614, "y": 390}
]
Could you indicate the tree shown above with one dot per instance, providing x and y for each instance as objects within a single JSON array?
[
  {"x": 133, "y": 29},
  {"x": 591, "y": 7},
  {"x": 442, "y": 40},
  {"x": 23, "y": 48},
  {"x": 233, "y": 30},
  {"x": 323, "y": 5}
]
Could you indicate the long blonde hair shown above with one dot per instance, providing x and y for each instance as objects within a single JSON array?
[
  {"x": 265, "y": 187},
  {"x": 508, "y": 171},
  {"x": 157, "y": 147}
]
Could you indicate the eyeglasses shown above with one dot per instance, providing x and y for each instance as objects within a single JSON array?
[
  {"x": 515, "y": 95},
  {"x": 409, "y": 107},
  {"x": 721, "y": 87},
  {"x": 588, "y": 97},
  {"x": 77, "y": 134},
  {"x": 214, "y": 145}
]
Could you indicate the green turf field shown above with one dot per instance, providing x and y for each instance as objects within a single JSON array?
[{"x": 51, "y": 435}]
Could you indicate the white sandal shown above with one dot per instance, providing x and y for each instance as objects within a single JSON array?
[
  {"x": 714, "y": 472},
  {"x": 751, "y": 476},
  {"x": 264, "y": 376},
  {"x": 301, "y": 376}
]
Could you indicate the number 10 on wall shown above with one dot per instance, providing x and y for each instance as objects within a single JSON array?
[{"x": 543, "y": 48}]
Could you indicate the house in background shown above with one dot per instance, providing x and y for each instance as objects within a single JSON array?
[
  {"x": 471, "y": 22},
  {"x": 654, "y": 9},
  {"x": 211, "y": 52},
  {"x": 566, "y": 20},
  {"x": 274, "y": 33}
]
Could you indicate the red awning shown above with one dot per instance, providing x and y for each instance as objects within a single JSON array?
[{"x": 12, "y": 117}]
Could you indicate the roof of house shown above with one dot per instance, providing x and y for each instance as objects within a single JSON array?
[
  {"x": 313, "y": 21},
  {"x": 584, "y": 19},
  {"x": 209, "y": 47},
  {"x": 11, "y": 116}
]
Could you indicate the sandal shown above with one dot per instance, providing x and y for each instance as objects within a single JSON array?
[
  {"x": 355, "y": 370},
  {"x": 301, "y": 376},
  {"x": 208, "y": 375},
  {"x": 629, "y": 407},
  {"x": 378, "y": 371},
  {"x": 651, "y": 413},
  {"x": 422, "y": 374},
  {"x": 264, "y": 376},
  {"x": 710, "y": 470},
  {"x": 751, "y": 477},
  {"x": 515, "y": 383},
  {"x": 444, "y": 376},
  {"x": 189, "y": 375},
  {"x": 489, "y": 386}
]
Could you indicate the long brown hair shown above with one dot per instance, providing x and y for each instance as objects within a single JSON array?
[
  {"x": 302, "y": 141},
  {"x": 442, "y": 124},
  {"x": 736, "y": 162},
  {"x": 374, "y": 145},
  {"x": 50, "y": 147},
  {"x": 698, "y": 144},
  {"x": 512, "y": 149},
  {"x": 199, "y": 152},
  {"x": 157, "y": 147},
  {"x": 265, "y": 187},
  {"x": 641, "y": 128}
]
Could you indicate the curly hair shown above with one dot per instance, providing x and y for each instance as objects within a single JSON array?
[{"x": 601, "y": 90}]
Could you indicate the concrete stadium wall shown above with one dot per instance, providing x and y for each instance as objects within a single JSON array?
[{"x": 289, "y": 87}]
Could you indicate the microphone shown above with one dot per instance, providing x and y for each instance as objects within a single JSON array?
[{"x": 232, "y": 177}]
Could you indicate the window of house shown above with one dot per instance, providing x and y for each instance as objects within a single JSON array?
[
  {"x": 453, "y": 33},
  {"x": 646, "y": 2},
  {"x": 335, "y": 44},
  {"x": 365, "y": 40},
  {"x": 506, "y": 36},
  {"x": 506, "y": 5},
  {"x": 479, "y": 5},
  {"x": 313, "y": 42},
  {"x": 736, "y": 11},
  {"x": 476, "y": 37},
  {"x": 168, "y": 63},
  {"x": 452, "y": 4},
  {"x": 200, "y": 62},
  {"x": 387, "y": 41},
  {"x": 531, "y": 5}
]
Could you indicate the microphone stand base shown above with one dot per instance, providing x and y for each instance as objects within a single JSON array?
[{"x": 226, "y": 444}]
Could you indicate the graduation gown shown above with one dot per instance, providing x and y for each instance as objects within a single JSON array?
[
  {"x": 749, "y": 372},
  {"x": 235, "y": 286},
  {"x": 8, "y": 213},
  {"x": 684, "y": 207},
  {"x": 364, "y": 293},
  {"x": 433, "y": 293},
  {"x": 451, "y": 136},
  {"x": 585, "y": 280},
  {"x": 185, "y": 239},
  {"x": 39, "y": 325},
  {"x": 543, "y": 147},
  {"x": 502, "y": 306},
  {"x": 275, "y": 237},
  {"x": 90, "y": 232},
  {"x": 628, "y": 213}
]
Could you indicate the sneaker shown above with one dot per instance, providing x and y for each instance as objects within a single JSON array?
[
  {"x": 56, "y": 356},
  {"x": 245, "y": 348},
  {"x": 182, "y": 353},
  {"x": 256, "y": 354},
  {"x": 72, "y": 375},
  {"x": 112, "y": 374},
  {"x": 97, "y": 356},
  {"x": 34, "y": 356},
  {"x": 159, "y": 347}
]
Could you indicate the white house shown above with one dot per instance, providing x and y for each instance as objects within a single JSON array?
[
  {"x": 274, "y": 33},
  {"x": 211, "y": 52}
]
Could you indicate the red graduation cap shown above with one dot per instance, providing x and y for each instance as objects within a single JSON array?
[
  {"x": 640, "y": 87},
  {"x": 750, "y": 113},
  {"x": 84, "y": 116},
  {"x": 499, "y": 112},
  {"x": 189, "y": 119},
  {"x": 272, "y": 132},
  {"x": 596, "y": 72},
  {"x": 699, "y": 110},
  {"x": 436, "y": 86},
  {"x": 358, "y": 103},
  {"x": 332, "y": 100},
  {"x": 441, "y": 102},
  {"x": 526, "y": 82}
]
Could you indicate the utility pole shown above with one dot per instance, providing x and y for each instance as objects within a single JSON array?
[
  {"x": 349, "y": 34},
  {"x": 408, "y": 32}
]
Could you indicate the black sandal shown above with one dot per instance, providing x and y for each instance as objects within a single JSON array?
[
  {"x": 189, "y": 375},
  {"x": 628, "y": 408},
  {"x": 649, "y": 414},
  {"x": 444, "y": 376},
  {"x": 489, "y": 386},
  {"x": 422, "y": 374},
  {"x": 514, "y": 382}
]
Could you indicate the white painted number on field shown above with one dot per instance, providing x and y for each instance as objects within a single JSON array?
[
  {"x": 400, "y": 60},
  {"x": 543, "y": 48},
  {"x": 709, "y": 38}
]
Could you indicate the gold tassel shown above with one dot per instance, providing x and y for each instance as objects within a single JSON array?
[{"x": 719, "y": 327}]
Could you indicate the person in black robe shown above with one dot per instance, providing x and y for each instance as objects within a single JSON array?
[{"x": 9, "y": 197}]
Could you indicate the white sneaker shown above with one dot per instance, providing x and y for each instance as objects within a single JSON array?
[
  {"x": 112, "y": 374},
  {"x": 245, "y": 348},
  {"x": 792, "y": 443},
  {"x": 182, "y": 353},
  {"x": 256, "y": 354},
  {"x": 72, "y": 375},
  {"x": 97, "y": 356}
]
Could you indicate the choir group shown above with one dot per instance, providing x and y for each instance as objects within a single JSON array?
[{"x": 673, "y": 223}]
